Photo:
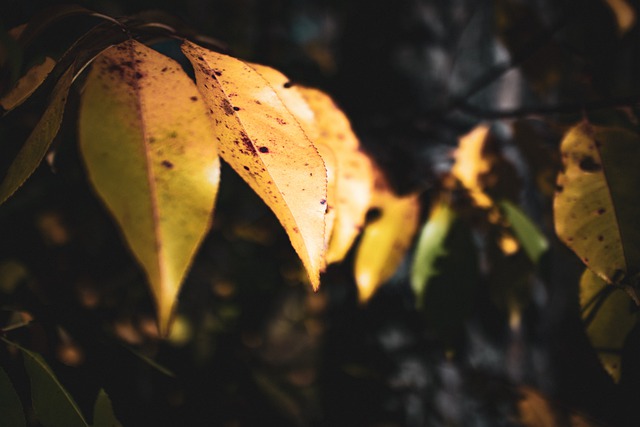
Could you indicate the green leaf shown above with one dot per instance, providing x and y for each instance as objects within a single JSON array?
[
  {"x": 103, "y": 415},
  {"x": 36, "y": 146},
  {"x": 53, "y": 404},
  {"x": 150, "y": 152},
  {"x": 531, "y": 239},
  {"x": 609, "y": 316},
  {"x": 11, "y": 411},
  {"x": 444, "y": 273},
  {"x": 597, "y": 203}
]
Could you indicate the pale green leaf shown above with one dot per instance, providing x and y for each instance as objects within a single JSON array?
[
  {"x": 103, "y": 415},
  {"x": 11, "y": 411},
  {"x": 150, "y": 153},
  {"x": 532, "y": 240},
  {"x": 597, "y": 203},
  {"x": 609, "y": 316},
  {"x": 266, "y": 146},
  {"x": 37, "y": 144}
]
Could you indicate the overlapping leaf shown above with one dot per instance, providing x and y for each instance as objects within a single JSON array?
[
  {"x": 597, "y": 203},
  {"x": 11, "y": 412},
  {"x": 609, "y": 316},
  {"x": 27, "y": 84},
  {"x": 149, "y": 149},
  {"x": 267, "y": 147}
]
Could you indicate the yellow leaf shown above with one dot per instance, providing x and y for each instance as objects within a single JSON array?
[
  {"x": 266, "y": 146},
  {"x": 609, "y": 317},
  {"x": 470, "y": 164},
  {"x": 149, "y": 149},
  {"x": 624, "y": 14},
  {"x": 27, "y": 84},
  {"x": 354, "y": 172},
  {"x": 386, "y": 239},
  {"x": 36, "y": 146}
]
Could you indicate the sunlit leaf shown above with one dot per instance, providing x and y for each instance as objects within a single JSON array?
[
  {"x": 52, "y": 403},
  {"x": 609, "y": 316},
  {"x": 103, "y": 415},
  {"x": 149, "y": 149},
  {"x": 531, "y": 239},
  {"x": 385, "y": 239},
  {"x": 267, "y": 147},
  {"x": 354, "y": 172},
  {"x": 36, "y": 146},
  {"x": 597, "y": 203},
  {"x": 470, "y": 164},
  {"x": 27, "y": 84},
  {"x": 11, "y": 411},
  {"x": 535, "y": 410},
  {"x": 444, "y": 273},
  {"x": 624, "y": 14}
]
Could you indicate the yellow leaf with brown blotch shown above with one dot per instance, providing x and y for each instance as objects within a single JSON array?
[
  {"x": 149, "y": 148},
  {"x": 264, "y": 143},
  {"x": 386, "y": 239}
]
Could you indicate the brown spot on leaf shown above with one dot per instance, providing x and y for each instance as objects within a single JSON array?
[
  {"x": 246, "y": 168},
  {"x": 227, "y": 108},
  {"x": 194, "y": 98},
  {"x": 236, "y": 108},
  {"x": 263, "y": 149},
  {"x": 279, "y": 120},
  {"x": 167, "y": 164},
  {"x": 600, "y": 238},
  {"x": 287, "y": 85},
  {"x": 138, "y": 75},
  {"x": 373, "y": 214},
  {"x": 323, "y": 201},
  {"x": 601, "y": 211}
]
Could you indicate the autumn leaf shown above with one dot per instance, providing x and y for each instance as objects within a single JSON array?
[
  {"x": 150, "y": 152},
  {"x": 470, "y": 164},
  {"x": 264, "y": 143},
  {"x": 27, "y": 84},
  {"x": 609, "y": 316},
  {"x": 35, "y": 147},
  {"x": 386, "y": 239},
  {"x": 597, "y": 203}
]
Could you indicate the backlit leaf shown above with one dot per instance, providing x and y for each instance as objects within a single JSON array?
[
  {"x": 624, "y": 14},
  {"x": 597, "y": 203},
  {"x": 385, "y": 239},
  {"x": 470, "y": 164},
  {"x": 103, "y": 415},
  {"x": 149, "y": 149},
  {"x": 38, "y": 142},
  {"x": 532, "y": 240},
  {"x": 609, "y": 316},
  {"x": 266, "y": 146},
  {"x": 27, "y": 84},
  {"x": 11, "y": 411}
]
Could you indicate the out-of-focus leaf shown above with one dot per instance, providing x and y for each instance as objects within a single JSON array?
[
  {"x": 149, "y": 149},
  {"x": 11, "y": 411},
  {"x": 536, "y": 410},
  {"x": 531, "y": 239},
  {"x": 444, "y": 273},
  {"x": 27, "y": 84},
  {"x": 354, "y": 172},
  {"x": 609, "y": 316},
  {"x": 430, "y": 247},
  {"x": 52, "y": 403},
  {"x": 385, "y": 239},
  {"x": 266, "y": 146},
  {"x": 103, "y": 415},
  {"x": 36, "y": 146},
  {"x": 624, "y": 13},
  {"x": 597, "y": 203},
  {"x": 470, "y": 164}
]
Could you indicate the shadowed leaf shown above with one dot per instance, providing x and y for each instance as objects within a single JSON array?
[
  {"x": 11, "y": 412},
  {"x": 27, "y": 84},
  {"x": 531, "y": 239},
  {"x": 103, "y": 415}
]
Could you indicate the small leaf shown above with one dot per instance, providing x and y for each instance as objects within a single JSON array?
[
  {"x": 27, "y": 84},
  {"x": 609, "y": 316},
  {"x": 53, "y": 404},
  {"x": 36, "y": 146},
  {"x": 150, "y": 153},
  {"x": 624, "y": 13},
  {"x": 531, "y": 239},
  {"x": 597, "y": 203},
  {"x": 266, "y": 146},
  {"x": 386, "y": 239},
  {"x": 11, "y": 411},
  {"x": 103, "y": 415},
  {"x": 470, "y": 164}
]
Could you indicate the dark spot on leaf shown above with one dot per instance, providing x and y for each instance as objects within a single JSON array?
[
  {"x": 263, "y": 149},
  {"x": 585, "y": 260},
  {"x": 138, "y": 75},
  {"x": 217, "y": 73},
  {"x": 373, "y": 214},
  {"x": 600, "y": 238},
  {"x": 296, "y": 230},
  {"x": 152, "y": 140},
  {"x": 200, "y": 58},
  {"x": 173, "y": 134},
  {"x": 559, "y": 188},
  {"x": 127, "y": 64},
  {"x": 287, "y": 85},
  {"x": 248, "y": 144},
  {"x": 194, "y": 98},
  {"x": 167, "y": 164},
  {"x": 257, "y": 102},
  {"x": 279, "y": 120},
  {"x": 601, "y": 211},
  {"x": 587, "y": 164},
  {"x": 164, "y": 69},
  {"x": 227, "y": 108},
  {"x": 236, "y": 108},
  {"x": 323, "y": 201}
]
